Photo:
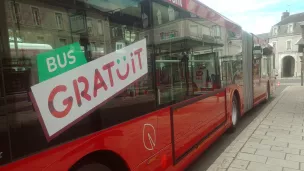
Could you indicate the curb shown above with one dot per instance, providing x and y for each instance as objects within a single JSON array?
[{"x": 227, "y": 157}]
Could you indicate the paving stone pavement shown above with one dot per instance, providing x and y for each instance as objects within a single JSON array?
[{"x": 273, "y": 141}]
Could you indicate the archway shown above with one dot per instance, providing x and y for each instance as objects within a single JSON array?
[{"x": 288, "y": 66}]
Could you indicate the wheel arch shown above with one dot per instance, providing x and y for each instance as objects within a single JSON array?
[
  {"x": 106, "y": 157},
  {"x": 235, "y": 95}
]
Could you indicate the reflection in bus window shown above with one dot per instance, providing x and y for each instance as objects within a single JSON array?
[
  {"x": 256, "y": 68},
  {"x": 185, "y": 60},
  {"x": 230, "y": 57},
  {"x": 164, "y": 13}
]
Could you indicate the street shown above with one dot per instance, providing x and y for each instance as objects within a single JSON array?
[{"x": 215, "y": 150}]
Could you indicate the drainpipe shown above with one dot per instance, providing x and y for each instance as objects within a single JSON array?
[{"x": 302, "y": 58}]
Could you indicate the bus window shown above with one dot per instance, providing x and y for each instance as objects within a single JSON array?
[
  {"x": 204, "y": 70},
  {"x": 257, "y": 67},
  {"x": 226, "y": 72},
  {"x": 237, "y": 70},
  {"x": 266, "y": 66},
  {"x": 42, "y": 26},
  {"x": 231, "y": 59}
]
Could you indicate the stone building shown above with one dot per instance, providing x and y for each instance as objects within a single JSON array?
[{"x": 284, "y": 37}]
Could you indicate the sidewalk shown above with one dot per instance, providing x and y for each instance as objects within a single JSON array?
[
  {"x": 291, "y": 84},
  {"x": 271, "y": 142},
  {"x": 289, "y": 78}
]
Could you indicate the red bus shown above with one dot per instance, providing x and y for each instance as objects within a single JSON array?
[{"x": 160, "y": 80}]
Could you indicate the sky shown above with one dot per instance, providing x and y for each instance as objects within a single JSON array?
[{"x": 255, "y": 16}]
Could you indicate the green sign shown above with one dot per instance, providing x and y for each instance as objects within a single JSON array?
[{"x": 60, "y": 60}]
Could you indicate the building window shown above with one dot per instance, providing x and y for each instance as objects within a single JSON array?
[
  {"x": 93, "y": 46},
  {"x": 62, "y": 42},
  {"x": 274, "y": 44},
  {"x": 273, "y": 62},
  {"x": 114, "y": 31},
  {"x": 164, "y": 13},
  {"x": 145, "y": 20},
  {"x": 100, "y": 30},
  {"x": 216, "y": 31},
  {"x": 275, "y": 31},
  {"x": 288, "y": 45},
  {"x": 15, "y": 7},
  {"x": 290, "y": 28},
  {"x": 194, "y": 29},
  {"x": 90, "y": 25},
  {"x": 40, "y": 39},
  {"x": 171, "y": 13},
  {"x": 36, "y": 16},
  {"x": 159, "y": 17},
  {"x": 120, "y": 45},
  {"x": 59, "y": 20}
]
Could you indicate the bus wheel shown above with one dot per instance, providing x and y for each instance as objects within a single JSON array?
[
  {"x": 93, "y": 167},
  {"x": 234, "y": 115}
]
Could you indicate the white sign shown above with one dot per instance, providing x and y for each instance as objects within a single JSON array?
[{"x": 67, "y": 98}]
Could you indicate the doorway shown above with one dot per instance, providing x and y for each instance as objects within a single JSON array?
[{"x": 288, "y": 66}]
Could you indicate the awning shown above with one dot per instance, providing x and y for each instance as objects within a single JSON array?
[{"x": 300, "y": 42}]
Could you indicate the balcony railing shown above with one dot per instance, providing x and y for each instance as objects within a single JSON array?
[{"x": 178, "y": 30}]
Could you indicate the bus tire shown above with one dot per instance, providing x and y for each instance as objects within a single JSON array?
[
  {"x": 94, "y": 166},
  {"x": 235, "y": 114}
]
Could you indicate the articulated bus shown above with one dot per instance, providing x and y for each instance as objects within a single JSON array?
[{"x": 119, "y": 85}]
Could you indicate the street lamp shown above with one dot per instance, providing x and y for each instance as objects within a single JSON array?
[
  {"x": 301, "y": 49},
  {"x": 301, "y": 70}
]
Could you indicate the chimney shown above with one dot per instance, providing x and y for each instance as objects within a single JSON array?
[{"x": 285, "y": 15}]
